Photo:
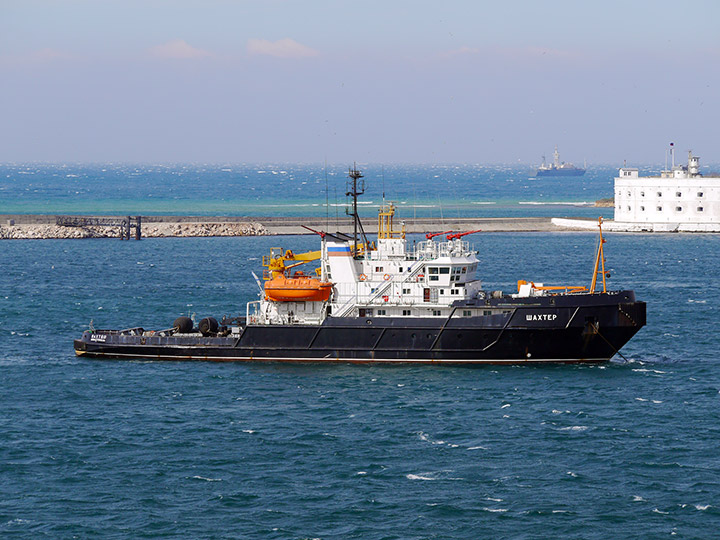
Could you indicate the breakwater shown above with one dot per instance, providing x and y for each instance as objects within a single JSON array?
[{"x": 44, "y": 226}]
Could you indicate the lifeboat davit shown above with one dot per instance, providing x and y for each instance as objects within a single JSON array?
[{"x": 297, "y": 289}]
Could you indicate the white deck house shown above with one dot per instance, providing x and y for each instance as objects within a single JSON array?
[{"x": 680, "y": 199}]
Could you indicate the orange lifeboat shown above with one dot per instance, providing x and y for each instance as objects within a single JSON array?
[{"x": 299, "y": 288}]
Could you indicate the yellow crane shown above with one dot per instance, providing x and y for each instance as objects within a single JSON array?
[{"x": 280, "y": 261}]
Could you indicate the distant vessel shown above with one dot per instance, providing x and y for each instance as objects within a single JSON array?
[{"x": 557, "y": 168}]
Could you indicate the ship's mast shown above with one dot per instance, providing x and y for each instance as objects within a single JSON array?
[
  {"x": 355, "y": 188},
  {"x": 556, "y": 157}
]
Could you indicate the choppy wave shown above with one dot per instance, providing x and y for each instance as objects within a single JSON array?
[{"x": 185, "y": 450}]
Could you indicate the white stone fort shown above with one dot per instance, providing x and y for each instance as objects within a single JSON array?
[{"x": 681, "y": 199}]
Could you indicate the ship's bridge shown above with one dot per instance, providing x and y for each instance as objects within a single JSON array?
[{"x": 429, "y": 249}]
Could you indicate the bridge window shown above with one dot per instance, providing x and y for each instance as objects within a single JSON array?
[
  {"x": 406, "y": 312},
  {"x": 467, "y": 313},
  {"x": 436, "y": 313},
  {"x": 444, "y": 270},
  {"x": 406, "y": 291},
  {"x": 378, "y": 268},
  {"x": 381, "y": 312},
  {"x": 487, "y": 312}
]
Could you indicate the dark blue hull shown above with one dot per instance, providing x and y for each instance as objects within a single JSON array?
[{"x": 566, "y": 329}]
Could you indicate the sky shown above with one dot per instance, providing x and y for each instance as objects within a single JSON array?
[{"x": 279, "y": 81}]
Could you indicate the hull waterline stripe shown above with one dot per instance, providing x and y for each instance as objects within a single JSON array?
[{"x": 334, "y": 359}]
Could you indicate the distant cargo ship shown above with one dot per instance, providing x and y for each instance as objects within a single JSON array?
[{"x": 556, "y": 168}]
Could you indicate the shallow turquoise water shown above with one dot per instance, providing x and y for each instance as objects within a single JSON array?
[
  {"x": 266, "y": 190},
  {"x": 106, "y": 449}
]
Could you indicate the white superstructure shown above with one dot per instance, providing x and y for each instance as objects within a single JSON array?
[
  {"x": 680, "y": 199},
  {"x": 388, "y": 279}
]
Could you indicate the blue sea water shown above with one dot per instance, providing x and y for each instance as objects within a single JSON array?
[
  {"x": 298, "y": 190},
  {"x": 114, "y": 449}
]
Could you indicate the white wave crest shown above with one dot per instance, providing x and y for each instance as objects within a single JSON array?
[
  {"x": 419, "y": 477},
  {"x": 207, "y": 479}
]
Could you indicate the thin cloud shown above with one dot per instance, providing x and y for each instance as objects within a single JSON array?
[
  {"x": 48, "y": 55},
  {"x": 544, "y": 51},
  {"x": 510, "y": 53},
  {"x": 40, "y": 56},
  {"x": 539, "y": 52},
  {"x": 177, "y": 49},
  {"x": 283, "y": 48},
  {"x": 462, "y": 51}
]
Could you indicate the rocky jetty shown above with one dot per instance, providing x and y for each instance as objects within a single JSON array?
[{"x": 149, "y": 230}]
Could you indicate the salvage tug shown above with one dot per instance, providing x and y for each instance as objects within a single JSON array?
[{"x": 389, "y": 302}]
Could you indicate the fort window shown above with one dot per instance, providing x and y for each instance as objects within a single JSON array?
[
  {"x": 642, "y": 208},
  {"x": 678, "y": 208},
  {"x": 700, "y": 208},
  {"x": 700, "y": 194},
  {"x": 659, "y": 208},
  {"x": 659, "y": 193}
]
